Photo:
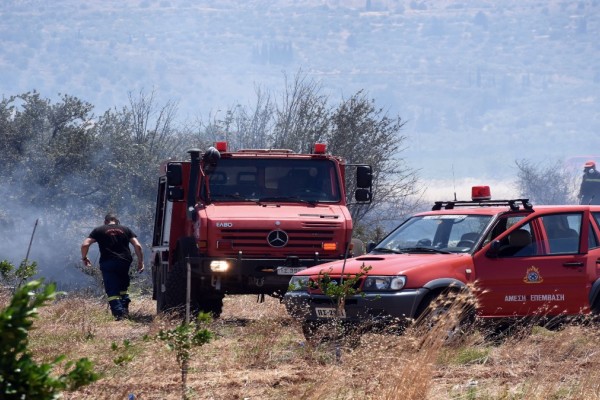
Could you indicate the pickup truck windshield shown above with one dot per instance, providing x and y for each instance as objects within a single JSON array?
[
  {"x": 273, "y": 180},
  {"x": 436, "y": 234}
]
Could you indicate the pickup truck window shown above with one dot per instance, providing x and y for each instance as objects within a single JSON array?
[
  {"x": 563, "y": 232},
  {"x": 502, "y": 225},
  {"x": 521, "y": 242},
  {"x": 592, "y": 238},
  {"x": 446, "y": 232}
]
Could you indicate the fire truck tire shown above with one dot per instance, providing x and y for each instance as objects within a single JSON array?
[
  {"x": 212, "y": 304},
  {"x": 174, "y": 295},
  {"x": 158, "y": 295}
]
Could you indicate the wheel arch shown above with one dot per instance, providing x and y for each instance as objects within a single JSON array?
[
  {"x": 437, "y": 287},
  {"x": 186, "y": 246},
  {"x": 442, "y": 284}
]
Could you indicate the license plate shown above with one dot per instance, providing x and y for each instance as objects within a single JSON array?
[
  {"x": 328, "y": 313},
  {"x": 288, "y": 270}
]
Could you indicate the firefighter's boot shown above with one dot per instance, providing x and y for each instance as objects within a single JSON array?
[
  {"x": 116, "y": 308},
  {"x": 125, "y": 300}
]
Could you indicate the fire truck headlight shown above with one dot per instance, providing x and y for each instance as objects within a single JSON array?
[{"x": 219, "y": 266}]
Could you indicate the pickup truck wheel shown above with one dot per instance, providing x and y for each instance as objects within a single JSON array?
[
  {"x": 450, "y": 312},
  {"x": 497, "y": 332}
]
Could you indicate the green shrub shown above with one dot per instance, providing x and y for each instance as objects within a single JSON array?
[
  {"x": 17, "y": 276},
  {"x": 20, "y": 376}
]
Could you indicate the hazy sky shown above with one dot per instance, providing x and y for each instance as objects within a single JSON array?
[{"x": 479, "y": 83}]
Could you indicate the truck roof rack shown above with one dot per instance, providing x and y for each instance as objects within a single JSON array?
[
  {"x": 286, "y": 151},
  {"x": 512, "y": 204}
]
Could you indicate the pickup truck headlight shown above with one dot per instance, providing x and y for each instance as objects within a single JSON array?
[
  {"x": 383, "y": 283},
  {"x": 299, "y": 284}
]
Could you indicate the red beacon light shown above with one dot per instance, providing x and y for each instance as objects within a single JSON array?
[
  {"x": 221, "y": 146},
  {"x": 320, "y": 148},
  {"x": 481, "y": 193}
]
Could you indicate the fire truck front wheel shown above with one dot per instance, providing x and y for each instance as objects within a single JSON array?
[
  {"x": 212, "y": 304},
  {"x": 173, "y": 298}
]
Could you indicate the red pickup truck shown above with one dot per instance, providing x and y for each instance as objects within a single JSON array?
[{"x": 522, "y": 261}]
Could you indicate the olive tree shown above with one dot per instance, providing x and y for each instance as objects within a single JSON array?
[
  {"x": 303, "y": 116},
  {"x": 546, "y": 184},
  {"x": 361, "y": 133},
  {"x": 355, "y": 129},
  {"x": 48, "y": 147}
]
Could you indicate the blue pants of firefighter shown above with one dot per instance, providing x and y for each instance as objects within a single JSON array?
[{"x": 115, "y": 274}]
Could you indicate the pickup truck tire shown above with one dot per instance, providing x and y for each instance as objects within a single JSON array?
[
  {"x": 448, "y": 311},
  {"x": 497, "y": 332}
]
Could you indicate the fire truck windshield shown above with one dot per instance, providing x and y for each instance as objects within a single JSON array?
[{"x": 273, "y": 179}]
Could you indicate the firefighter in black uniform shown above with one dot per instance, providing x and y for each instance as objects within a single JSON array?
[
  {"x": 589, "y": 193},
  {"x": 115, "y": 259}
]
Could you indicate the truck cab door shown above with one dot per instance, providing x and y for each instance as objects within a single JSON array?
[{"x": 542, "y": 278}]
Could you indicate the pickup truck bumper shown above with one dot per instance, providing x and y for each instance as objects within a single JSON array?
[{"x": 368, "y": 306}]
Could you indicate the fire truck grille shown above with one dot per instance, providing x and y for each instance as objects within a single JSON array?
[
  {"x": 321, "y": 225},
  {"x": 309, "y": 240}
]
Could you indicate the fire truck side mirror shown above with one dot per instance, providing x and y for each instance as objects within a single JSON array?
[
  {"x": 174, "y": 174},
  {"x": 175, "y": 182},
  {"x": 364, "y": 181},
  {"x": 364, "y": 176},
  {"x": 362, "y": 195},
  {"x": 175, "y": 194}
]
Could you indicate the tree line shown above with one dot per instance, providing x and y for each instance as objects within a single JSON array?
[{"x": 72, "y": 166}]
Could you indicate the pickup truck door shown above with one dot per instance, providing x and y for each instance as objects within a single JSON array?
[{"x": 545, "y": 278}]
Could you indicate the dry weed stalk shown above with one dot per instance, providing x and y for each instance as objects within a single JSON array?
[{"x": 261, "y": 353}]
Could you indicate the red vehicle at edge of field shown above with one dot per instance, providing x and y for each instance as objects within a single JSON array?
[
  {"x": 523, "y": 261},
  {"x": 245, "y": 221}
]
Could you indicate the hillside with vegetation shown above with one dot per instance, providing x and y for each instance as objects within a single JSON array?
[{"x": 477, "y": 81}]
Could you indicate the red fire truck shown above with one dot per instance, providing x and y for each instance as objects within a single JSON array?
[{"x": 246, "y": 221}]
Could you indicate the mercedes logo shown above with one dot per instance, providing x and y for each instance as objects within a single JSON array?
[{"x": 277, "y": 238}]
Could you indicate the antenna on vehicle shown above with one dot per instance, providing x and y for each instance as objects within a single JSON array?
[{"x": 454, "y": 182}]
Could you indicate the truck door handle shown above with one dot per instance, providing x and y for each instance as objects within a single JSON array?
[{"x": 573, "y": 264}]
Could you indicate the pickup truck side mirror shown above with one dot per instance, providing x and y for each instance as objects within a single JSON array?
[
  {"x": 494, "y": 249},
  {"x": 371, "y": 246}
]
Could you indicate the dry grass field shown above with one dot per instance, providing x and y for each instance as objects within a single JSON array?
[{"x": 260, "y": 353}]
